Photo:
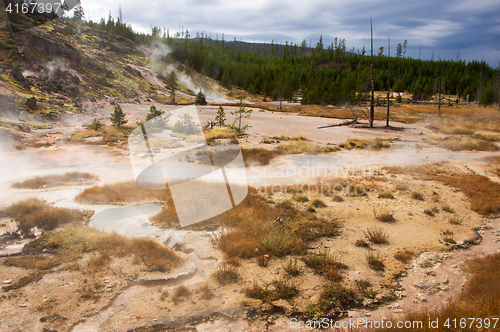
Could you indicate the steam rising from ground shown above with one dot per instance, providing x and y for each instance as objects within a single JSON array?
[{"x": 159, "y": 52}]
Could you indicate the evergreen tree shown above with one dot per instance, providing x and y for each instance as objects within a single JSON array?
[
  {"x": 78, "y": 13},
  {"x": 200, "y": 99},
  {"x": 172, "y": 84},
  {"x": 242, "y": 112},
  {"x": 118, "y": 117},
  {"x": 220, "y": 118}
]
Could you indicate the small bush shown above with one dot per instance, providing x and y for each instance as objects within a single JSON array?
[
  {"x": 417, "y": 195},
  {"x": 375, "y": 262},
  {"x": 326, "y": 265},
  {"x": 386, "y": 194},
  {"x": 376, "y": 235},
  {"x": 182, "y": 291},
  {"x": 455, "y": 220},
  {"x": 356, "y": 190},
  {"x": 447, "y": 208},
  {"x": 283, "y": 289},
  {"x": 317, "y": 203},
  {"x": 311, "y": 209},
  {"x": 336, "y": 299},
  {"x": 385, "y": 216},
  {"x": 338, "y": 199},
  {"x": 301, "y": 199},
  {"x": 362, "y": 243},
  {"x": 447, "y": 236},
  {"x": 226, "y": 274},
  {"x": 432, "y": 212},
  {"x": 206, "y": 293},
  {"x": 279, "y": 289},
  {"x": 404, "y": 256},
  {"x": 364, "y": 287},
  {"x": 95, "y": 125}
]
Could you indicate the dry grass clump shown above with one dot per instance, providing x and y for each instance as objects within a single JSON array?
[
  {"x": 376, "y": 235},
  {"x": 362, "y": 243},
  {"x": 337, "y": 199},
  {"x": 294, "y": 138},
  {"x": 363, "y": 143},
  {"x": 317, "y": 203},
  {"x": 384, "y": 216},
  {"x": 292, "y": 268},
  {"x": 301, "y": 198},
  {"x": 325, "y": 264},
  {"x": 278, "y": 289},
  {"x": 447, "y": 208},
  {"x": 120, "y": 193},
  {"x": 205, "y": 292},
  {"x": 431, "y": 212},
  {"x": 226, "y": 274},
  {"x": 33, "y": 262},
  {"x": 404, "y": 255},
  {"x": 365, "y": 288},
  {"x": 357, "y": 189},
  {"x": 219, "y": 133},
  {"x": 253, "y": 230},
  {"x": 454, "y": 220},
  {"x": 259, "y": 156},
  {"x": 417, "y": 195},
  {"x": 447, "y": 236},
  {"x": 479, "y": 299},
  {"x": 110, "y": 135},
  {"x": 70, "y": 242},
  {"x": 462, "y": 143},
  {"x": 334, "y": 301},
  {"x": 386, "y": 194},
  {"x": 301, "y": 147},
  {"x": 34, "y": 212},
  {"x": 55, "y": 180},
  {"x": 375, "y": 262}
]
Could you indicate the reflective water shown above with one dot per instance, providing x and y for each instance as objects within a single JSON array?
[{"x": 127, "y": 220}]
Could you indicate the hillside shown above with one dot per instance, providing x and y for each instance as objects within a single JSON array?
[{"x": 52, "y": 70}]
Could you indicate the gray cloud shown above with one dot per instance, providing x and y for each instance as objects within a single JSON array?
[{"x": 471, "y": 27}]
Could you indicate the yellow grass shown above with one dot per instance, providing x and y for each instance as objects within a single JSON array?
[
  {"x": 121, "y": 193},
  {"x": 34, "y": 212},
  {"x": 55, "y": 180}
]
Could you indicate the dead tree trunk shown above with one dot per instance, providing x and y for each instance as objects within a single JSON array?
[
  {"x": 389, "y": 82},
  {"x": 372, "y": 110}
]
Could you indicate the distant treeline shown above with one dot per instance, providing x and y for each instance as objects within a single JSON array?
[{"x": 322, "y": 75}]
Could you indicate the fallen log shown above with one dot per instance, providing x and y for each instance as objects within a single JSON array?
[{"x": 345, "y": 123}]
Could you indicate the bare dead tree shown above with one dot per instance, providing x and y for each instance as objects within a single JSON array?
[
  {"x": 372, "y": 109},
  {"x": 389, "y": 82},
  {"x": 498, "y": 84}
]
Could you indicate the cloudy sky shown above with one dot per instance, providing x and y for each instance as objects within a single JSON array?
[{"x": 469, "y": 29}]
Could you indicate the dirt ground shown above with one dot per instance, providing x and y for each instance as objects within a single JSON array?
[{"x": 132, "y": 298}]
